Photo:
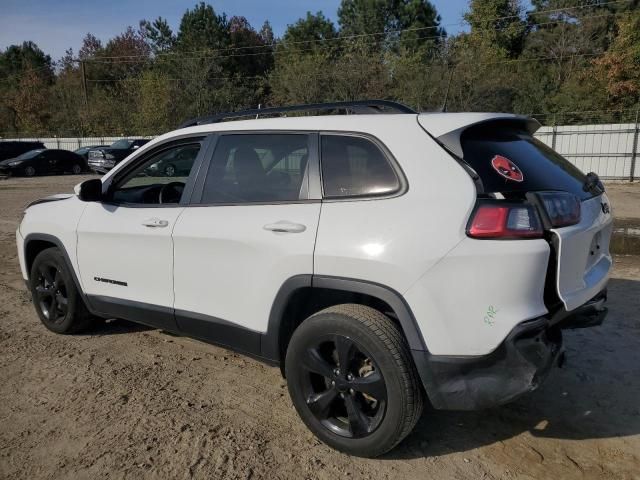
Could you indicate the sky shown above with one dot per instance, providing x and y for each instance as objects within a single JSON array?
[{"x": 56, "y": 25}]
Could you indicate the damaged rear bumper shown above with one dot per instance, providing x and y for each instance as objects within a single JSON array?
[{"x": 519, "y": 365}]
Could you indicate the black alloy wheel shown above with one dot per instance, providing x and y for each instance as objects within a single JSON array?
[
  {"x": 51, "y": 293},
  {"x": 344, "y": 388},
  {"x": 58, "y": 302},
  {"x": 352, "y": 379}
]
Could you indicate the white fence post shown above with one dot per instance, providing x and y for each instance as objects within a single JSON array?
[{"x": 634, "y": 152}]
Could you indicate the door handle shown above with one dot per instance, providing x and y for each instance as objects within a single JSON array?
[
  {"x": 285, "y": 227},
  {"x": 155, "y": 223}
]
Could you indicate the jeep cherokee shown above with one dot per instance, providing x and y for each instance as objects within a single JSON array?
[{"x": 381, "y": 260}]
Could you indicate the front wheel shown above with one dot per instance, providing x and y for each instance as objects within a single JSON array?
[
  {"x": 55, "y": 296},
  {"x": 352, "y": 380}
]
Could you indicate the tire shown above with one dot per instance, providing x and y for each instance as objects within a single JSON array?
[
  {"x": 29, "y": 171},
  {"x": 170, "y": 170},
  {"x": 334, "y": 404},
  {"x": 76, "y": 169},
  {"x": 55, "y": 296}
]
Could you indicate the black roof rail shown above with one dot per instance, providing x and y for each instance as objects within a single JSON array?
[{"x": 355, "y": 107}]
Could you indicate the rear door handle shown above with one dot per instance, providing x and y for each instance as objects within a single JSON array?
[
  {"x": 155, "y": 223},
  {"x": 285, "y": 227}
]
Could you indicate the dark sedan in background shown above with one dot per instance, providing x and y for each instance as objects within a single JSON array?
[
  {"x": 41, "y": 162},
  {"x": 11, "y": 148}
]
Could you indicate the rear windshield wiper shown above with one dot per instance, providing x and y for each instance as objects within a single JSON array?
[{"x": 592, "y": 184}]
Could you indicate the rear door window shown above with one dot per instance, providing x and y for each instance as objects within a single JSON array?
[
  {"x": 493, "y": 149},
  {"x": 355, "y": 166},
  {"x": 249, "y": 168}
]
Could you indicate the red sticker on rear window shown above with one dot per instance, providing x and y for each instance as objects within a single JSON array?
[{"x": 507, "y": 168}]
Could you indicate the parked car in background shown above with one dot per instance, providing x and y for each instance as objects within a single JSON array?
[
  {"x": 103, "y": 159},
  {"x": 84, "y": 151},
  {"x": 44, "y": 161},
  {"x": 12, "y": 149},
  {"x": 178, "y": 163}
]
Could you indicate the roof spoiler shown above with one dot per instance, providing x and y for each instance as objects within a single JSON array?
[{"x": 448, "y": 133}]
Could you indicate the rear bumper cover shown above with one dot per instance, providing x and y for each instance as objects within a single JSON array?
[{"x": 519, "y": 365}]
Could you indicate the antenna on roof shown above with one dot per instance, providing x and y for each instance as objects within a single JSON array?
[{"x": 446, "y": 93}]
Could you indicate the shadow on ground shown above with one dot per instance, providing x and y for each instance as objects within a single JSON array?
[{"x": 116, "y": 327}]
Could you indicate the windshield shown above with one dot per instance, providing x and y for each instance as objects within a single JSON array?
[
  {"x": 30, "y": 154},
  {"x": 121, "y": 144}
]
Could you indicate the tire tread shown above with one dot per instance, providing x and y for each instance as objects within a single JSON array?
[{"x": 392, "y": 337}]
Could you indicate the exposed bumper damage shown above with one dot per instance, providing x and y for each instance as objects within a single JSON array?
[{"x": 519, "y": 365}]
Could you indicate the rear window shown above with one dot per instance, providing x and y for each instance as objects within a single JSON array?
[{"x": 494, "y": 149}]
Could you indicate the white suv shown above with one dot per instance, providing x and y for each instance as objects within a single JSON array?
[{"x": 380, "y": 259}]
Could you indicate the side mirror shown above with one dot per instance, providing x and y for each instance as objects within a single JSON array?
[{"x": 90, "y": 190}]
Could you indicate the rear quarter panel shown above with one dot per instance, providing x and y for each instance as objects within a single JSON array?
[
  {"x": 470, "y": 301},
  {"x": 394, "y": 241}
]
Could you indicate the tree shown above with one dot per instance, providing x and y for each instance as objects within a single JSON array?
[
  {"x": 619, "y": 67},
  {"x": 154, "y": 113},
  {"x": 248, "y": 54},
  {"x": 30, "y": 102},
  {"x": 496, "y": 27},
  {"x": 158, "y": 34},
  {"x": 17, "y": 59},
  {"x": 301, "y": 78},
  {"x": 309, "y": 32},
  {"x": 91, "y": 47},
  {"x": 26, "y": 74},
  {"x": 266, "y": 33},
  {"x": 385, "y": 18},
  {"x": 202, "y": 29}
]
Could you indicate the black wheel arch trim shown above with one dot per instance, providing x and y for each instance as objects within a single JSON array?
[
  {"x": 271, "y": 341},
  {"x": 45, "y": 237}
]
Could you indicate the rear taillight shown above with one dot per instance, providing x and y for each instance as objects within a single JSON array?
[
  {"x": 562, "y": 208},
  {"x": 500, "y": 220}
]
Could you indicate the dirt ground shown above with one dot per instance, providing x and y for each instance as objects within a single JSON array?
[
  {"x": 128, "y": 402},
  {"x": 625, "y": 199}
]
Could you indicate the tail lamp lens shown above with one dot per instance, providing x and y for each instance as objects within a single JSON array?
[
  {"x": 495, "y": 220},
  {"x": 562, "y": 208}
]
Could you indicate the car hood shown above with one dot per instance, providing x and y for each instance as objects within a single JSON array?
[
  {"x": 108, "y": 149},
  {"x": 51, "y": 198},
  {"x": 7, "y": 161}
]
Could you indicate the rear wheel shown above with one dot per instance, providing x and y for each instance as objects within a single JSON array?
[
  {"x": 55, "y": 296},
  {"x": 76, "y": 169},
  {"x": 29, "y": 171},
  {"x": 352, "y": 380}
]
